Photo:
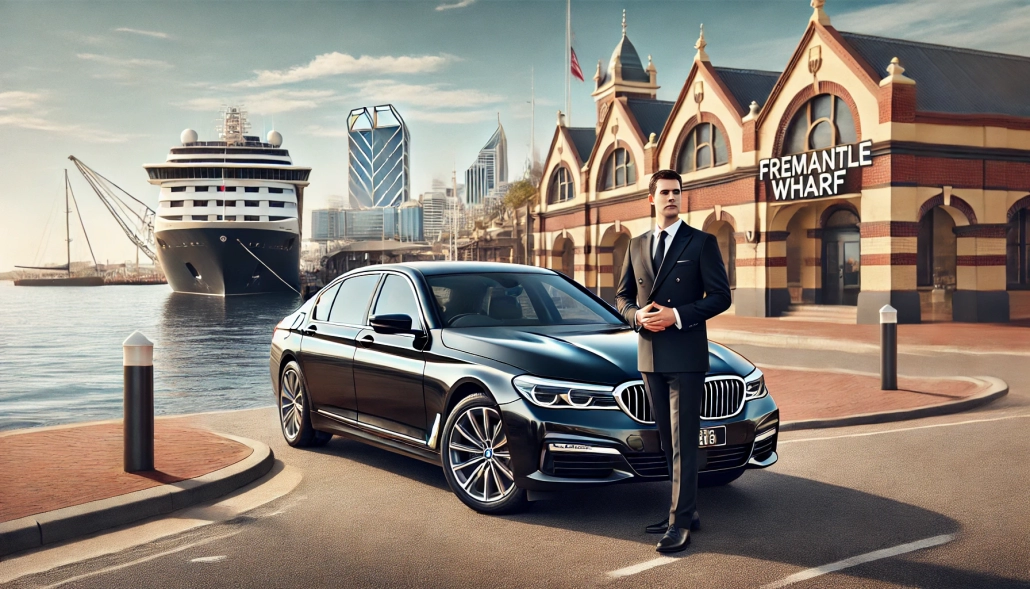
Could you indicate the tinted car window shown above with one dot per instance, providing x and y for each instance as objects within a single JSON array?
[
  {"x": 396, "y": 297},
  {"x": 515, "y": 299},
  {"x": 325, "y": 301},
  {"x": 352, "y": 301}
]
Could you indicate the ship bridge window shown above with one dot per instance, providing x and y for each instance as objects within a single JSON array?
[
  {"x": 250, "y": 203},
  {"x": 178, "y": 189},
  {"x": 276, "y": 203},
  {"x": 200, "y": 203},
  {"x": 230, "y": 203},
  {"x": 251, "y": 218},
  {"x": 275, "y": 174},
  {"x": 200, "y": 217},
  {"x": 226, "y": 189},
  {"x": 219, "y": 203},
  {"x": 175, "y": 203},
  {"x": 276, "y": 190},
  {"x": 200, "y": 188},
  {"x": 251, "y": 189},
  {"x": 230, "y": 217},
  {"x": 279, "y": 218},
  {"x": 176, "y": 218}
]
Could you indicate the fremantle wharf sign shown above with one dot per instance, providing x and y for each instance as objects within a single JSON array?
[{"x": 816, "y": 174}]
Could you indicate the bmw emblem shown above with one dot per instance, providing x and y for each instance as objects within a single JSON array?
[
  {"x": 222, "y": 239},
  {"x": 489, "y": 453}
]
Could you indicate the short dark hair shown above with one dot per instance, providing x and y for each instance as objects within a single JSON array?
[{"x": 663, "y": 175}]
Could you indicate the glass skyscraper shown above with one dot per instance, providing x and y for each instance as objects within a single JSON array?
[
  {"x": 378, "y": 142},
  {"x": 490, "y": 168}
]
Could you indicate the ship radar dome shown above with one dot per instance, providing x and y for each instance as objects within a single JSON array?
[
  {"x": 188, "y": 136},
  {"x": 275, "y": 138}
]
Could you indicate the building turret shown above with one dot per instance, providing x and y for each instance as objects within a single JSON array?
[{"x": 624, "y": 76}]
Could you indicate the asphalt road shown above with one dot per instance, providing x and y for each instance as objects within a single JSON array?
[{"x": 940, "y": 502}]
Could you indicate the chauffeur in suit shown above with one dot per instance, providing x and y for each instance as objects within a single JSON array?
[{"x": 673, "y": 281}]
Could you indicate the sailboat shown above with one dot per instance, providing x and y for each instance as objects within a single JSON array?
[{"x": 68, "y": 280}]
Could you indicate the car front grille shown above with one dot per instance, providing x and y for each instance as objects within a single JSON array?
[
  {"x": 653, "y": 464},
  {"x": 649, "y": 464},
  {"x": 724, "y": 397},
  {"x": 576, "y": 465}
]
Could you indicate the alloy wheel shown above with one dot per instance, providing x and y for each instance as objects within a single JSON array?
[
  {"x": 291, "y": 404},
  {"x": 479, "y": 456}
]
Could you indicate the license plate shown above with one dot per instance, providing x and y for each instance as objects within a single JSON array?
[{"x": 712, "y": 436}]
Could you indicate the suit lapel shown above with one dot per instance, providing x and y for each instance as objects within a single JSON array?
[
  {"x": 679, "y": 243},
  {"x": 644, "y": 251}
]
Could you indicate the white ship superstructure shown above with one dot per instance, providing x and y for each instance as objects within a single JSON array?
[{"x": 229, "y": 213}]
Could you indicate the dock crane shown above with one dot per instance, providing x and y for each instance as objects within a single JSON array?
[{"x": 135, "y": 218}]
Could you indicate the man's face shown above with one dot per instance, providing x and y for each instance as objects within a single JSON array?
[{"x": 666, "y": 199}]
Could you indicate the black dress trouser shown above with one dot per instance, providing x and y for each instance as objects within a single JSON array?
[{"x": 676, "y": 400}]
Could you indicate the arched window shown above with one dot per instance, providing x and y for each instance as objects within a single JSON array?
[
  {"x": 824, "y": 121},
  {"x": 561, "y": 188},
  {"x": 705, "y": 147},
  {"x": 618, "y": 170}
]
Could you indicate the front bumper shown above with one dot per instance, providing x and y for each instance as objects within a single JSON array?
[{"x": 555, "y": 449}]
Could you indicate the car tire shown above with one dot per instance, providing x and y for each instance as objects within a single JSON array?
[
  {"x": 476, "y": 457},
  {"x": 295, "y": 410},
  {"x": 718, "y": 479}
]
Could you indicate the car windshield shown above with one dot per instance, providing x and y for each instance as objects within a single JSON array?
[{"x": 511, "y": 299}]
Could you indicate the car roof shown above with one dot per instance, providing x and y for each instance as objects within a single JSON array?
[{"x": 442, "y": 267}]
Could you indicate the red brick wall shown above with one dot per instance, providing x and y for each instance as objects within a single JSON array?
[
  {"x": 730, "y": 193},
  {"x": 623, "y": 211},
  {"x": 897, "y": 103}
]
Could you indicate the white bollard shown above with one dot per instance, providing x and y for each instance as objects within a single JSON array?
[{"x": 138, "y": 426}]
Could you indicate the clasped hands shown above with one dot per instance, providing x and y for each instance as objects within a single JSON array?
[{"x": 655, "y": 317}]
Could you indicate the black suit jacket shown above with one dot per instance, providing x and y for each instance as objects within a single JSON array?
[{"x": 692, "y": 280}]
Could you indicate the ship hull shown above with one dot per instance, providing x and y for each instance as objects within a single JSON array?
[
  {"x": 63, "y": 281},
  {"x": 221, "y": 261}
]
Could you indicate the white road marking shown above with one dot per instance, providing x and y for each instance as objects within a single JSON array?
[
  {"x": 902, "y": 429},
  {"x": 860, "y": 559},
  {"x": 205, "y": 559},
  {"x": 639, "y": 568},
  {"x": 111, "y": 569}
]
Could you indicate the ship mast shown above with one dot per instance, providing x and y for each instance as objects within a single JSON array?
[{"x": 67, "y": 226}]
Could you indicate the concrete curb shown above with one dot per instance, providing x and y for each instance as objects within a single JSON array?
[
  {"x": 804, "y": 342},
  {"x": 78, "y": 520},
  {"x": 996, "y": 389}
]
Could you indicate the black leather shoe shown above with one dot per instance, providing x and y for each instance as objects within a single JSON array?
[
  {"x": 663, "y": 526},
  {"x": 674, "y": 540}
]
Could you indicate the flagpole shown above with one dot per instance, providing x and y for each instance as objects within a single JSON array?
[{"x": 568, "y": 62}]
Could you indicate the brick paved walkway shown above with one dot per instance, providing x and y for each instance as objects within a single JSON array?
[
  {"x": 50, "y": 469},
  {"x": 971, "y": 336},
  {"x": 808, "y": 394}
]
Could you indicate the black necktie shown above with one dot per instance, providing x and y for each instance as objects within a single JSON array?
[{"x": 659, "y": 252}]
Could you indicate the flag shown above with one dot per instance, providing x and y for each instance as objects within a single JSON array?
[{"x": 576, "y": 71}]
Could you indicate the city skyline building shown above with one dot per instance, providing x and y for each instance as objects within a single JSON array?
[
  {"x": 490, "y": 168},
  {"x": 378, "y": 157}
]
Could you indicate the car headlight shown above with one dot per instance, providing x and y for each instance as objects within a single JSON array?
[
  {"x": 754, "y": 385},
  {"x": 545, "y": 392}
]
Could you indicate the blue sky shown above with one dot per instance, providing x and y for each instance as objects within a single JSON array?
[{"x": 114, "y": 83}]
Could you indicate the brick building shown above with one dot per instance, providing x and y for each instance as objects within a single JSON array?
[{"x": 870, "y": 171}]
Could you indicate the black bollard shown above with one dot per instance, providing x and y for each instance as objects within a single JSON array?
[
  {"x": 888, "y": 348},
  {"x": 138, "y": 426}
]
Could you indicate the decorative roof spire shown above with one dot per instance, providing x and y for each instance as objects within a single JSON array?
[
  {"x": 623, "y": 22},
  {"x": 561, "y": 119},
  {"x": 896, "y": 74},
  {"x": 818, "y": 15},
  {"x": 752, "y": 111},
  {"x": 700, "y": 46}
]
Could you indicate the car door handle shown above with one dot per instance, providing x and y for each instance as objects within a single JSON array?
[
  {"x": 311, "y": 329},
  {"x": 367, "y": 341}
]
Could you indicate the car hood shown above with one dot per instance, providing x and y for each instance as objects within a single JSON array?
[{"x": 582, "y": 353}]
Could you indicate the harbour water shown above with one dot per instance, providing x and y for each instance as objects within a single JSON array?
[{"x": 61, "y": 350}]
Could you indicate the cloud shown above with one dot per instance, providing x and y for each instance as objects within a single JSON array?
[
  {"x": 265, "y": 103},
  {"x": 123, "y": 63},
  {"x": 994, "y": 25},
  {"x": 450, "y": 117},
  {"x": 436, "y": 96},
  {"x": 27, "y": 110},
  {"x": 320, "y": 131},
  {"x": 459, "y": 4},
  {"x": 335, "y": 63},
  {"x": 155, "y": 34},
  {"x": 18, "y": 100}
]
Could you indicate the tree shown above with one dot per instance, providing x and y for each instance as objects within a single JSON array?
[{"x": 521, "y": 193}]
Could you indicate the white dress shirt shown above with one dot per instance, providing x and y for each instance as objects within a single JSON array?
[{"x": 670, "y": 234}]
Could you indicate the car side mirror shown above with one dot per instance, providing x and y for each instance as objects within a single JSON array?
[{"x": 392, "y": 323}]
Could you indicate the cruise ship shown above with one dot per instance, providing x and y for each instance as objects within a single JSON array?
[{"x": 229, "y": 214}]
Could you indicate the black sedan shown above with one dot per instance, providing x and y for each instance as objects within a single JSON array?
[{"x": 515, "y": 379}]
